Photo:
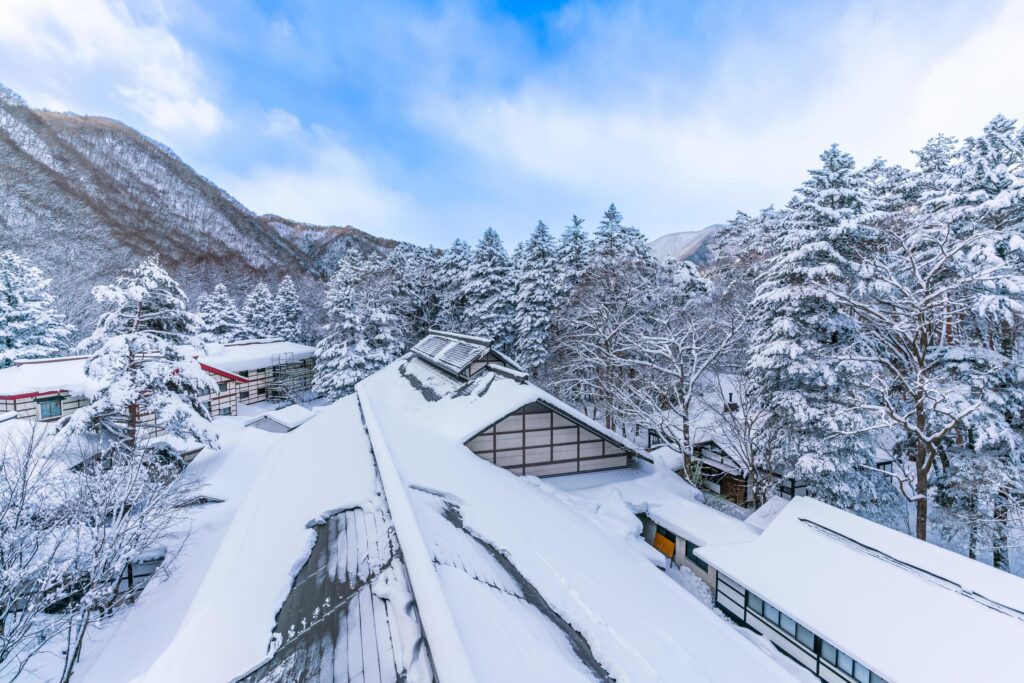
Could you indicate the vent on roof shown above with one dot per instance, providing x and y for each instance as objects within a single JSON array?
[
  {"x": 452, "y": 355},
  {"x": 431, "y": 345},
  {"x": 459, "y": 354}
]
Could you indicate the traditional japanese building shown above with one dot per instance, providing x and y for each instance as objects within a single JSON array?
[{"x": 49, "y": 389}]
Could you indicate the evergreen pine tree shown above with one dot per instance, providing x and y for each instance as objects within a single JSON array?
[
  {"x": 409, "y": 273},
  {"x": 573, "y": 251},
  {"x": 29, "y": 325},
  {"x": 537, "y": 288},
  {"x": 137, "y": 366},
  {"x": 220, "y": 320},
  {"x": 362, "y": 334},
  {"x": 489, "y": 292},
  {"x": 258, "y": 312},
  {"x": 801, "y": 331},
  {"x": 286, "y": 315},
  {"x": 450, "y": 285},
  {"x": 614, "y": 241}
]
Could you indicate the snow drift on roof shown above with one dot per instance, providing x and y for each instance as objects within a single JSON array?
[
  {"x": 907, "y": 609},
  {"x": 289, "y": 417},
  {"x": 639, "y": 625}
]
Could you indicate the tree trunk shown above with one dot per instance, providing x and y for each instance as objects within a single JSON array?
[
  {"x": 1000, "y": 557},
  {"x": 74, "y": 653}
]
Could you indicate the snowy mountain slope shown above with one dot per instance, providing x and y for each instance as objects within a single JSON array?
[
  {"x": 683, "y": 245},
  {"x": 84, "y": 196}
]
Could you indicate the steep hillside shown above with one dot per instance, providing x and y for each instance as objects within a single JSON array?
[
  {"x": 84, "y": 196},
  {"x": 683, "y": 245}
]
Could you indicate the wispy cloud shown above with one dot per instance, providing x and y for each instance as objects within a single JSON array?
[{"x": 56, "y": 50}]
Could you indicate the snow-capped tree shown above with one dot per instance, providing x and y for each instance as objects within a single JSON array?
[
  {"x": 801, "y": 332},
  {"x": 286, "y": 311},
  {"x": 140, "y": 376},
  {"x": 573, "y": 252},
  {"x": 615, "y": 241},
  {"x": 489, "y": 292},
  {"x": 258, "y": 312},
  {"x": 450, "y": 285},
  {"x": 68, "y": 534},
  {"x": 408, "y": 277},
  {"x": 29, "y": 325},
  {"x": 220, "y": 320},
  {"x": 361, "y": 334},
  {"x": 536, "y": 294}
]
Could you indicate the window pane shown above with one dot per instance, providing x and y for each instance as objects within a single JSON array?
[
  {"x": 771, "y": 614},
  {"x": 875, "y": 678},
  {"x": 828, "y": 653},
  {"x": 788, "y": 624},
  {"x": 845, "y": 662},
  {"x": 861, "y": 673},
  {"x": 754, "y": 603},
  {"x": 805, "y": 637}
]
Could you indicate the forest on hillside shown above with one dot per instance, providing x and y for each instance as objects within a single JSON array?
[{"x": 878, "y": 312}]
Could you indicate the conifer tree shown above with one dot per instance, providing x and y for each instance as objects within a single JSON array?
[
  {"x": 614, "y": 241},
  {"x": 29, "y": 325},
  {"x": 489, "y": 292},
  {"x": 801, "y": 332},
  {"x": 286, "y": 315},
  {"x": 537, "y": 287},
  {"x": 362, "y": 333},
  {"x": 450, "y": 285},
  {"x": 137, "y": 365},
  {"x": 409, "y": 272},
  {"x": 258, "y": 312},
  {"x": 573, "y": 251},
  {"x": 220, "y": 320}
]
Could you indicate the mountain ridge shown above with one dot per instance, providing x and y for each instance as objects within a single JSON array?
[{"x": 89, "y": 196}]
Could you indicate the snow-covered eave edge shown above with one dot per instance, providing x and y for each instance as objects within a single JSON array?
[{"x": 446, "y": 647}]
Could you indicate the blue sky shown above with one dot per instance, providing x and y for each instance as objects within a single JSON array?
[{"x": 430, "y": 121}]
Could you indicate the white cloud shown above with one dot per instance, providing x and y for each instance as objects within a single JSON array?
[
  {"x": 82, "y": 50},
  {"x": 329, "y": 185},
  {"x": 742, "y": 134},
  {"x": 280, "y": 123}
]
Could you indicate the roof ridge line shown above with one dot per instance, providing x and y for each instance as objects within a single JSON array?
[{"x": 447, "y": 651}]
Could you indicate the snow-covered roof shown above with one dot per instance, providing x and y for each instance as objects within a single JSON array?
[
  {"x": 51, "y": 375},
  {"x": 288, "y": 417},
  {"x": 214, "y": 617},
  {"x": 254, "y": 354},
  {"x": 701, "y": 524},
  {"x": 27, "y": 378},
  {"x": 536, "y": 589},
  {"x": 908, "y": 610},
  {"x": 763, "y": 516}
]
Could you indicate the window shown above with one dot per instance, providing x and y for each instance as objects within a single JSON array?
[
  {"x": 225, "y": 411},
  {"x": 666, "y": 533},
  {"x": 787, "y": 623},
  {"x": 204, "y": 392},
  {"x": 244, "y": 373},
  {"x": 828, "y": 652},
  {"x": 243, "y": 394},
  {"x": 845, "y": 662},
  {"x": 261, "y": 391},
  {"x": 754, "y": 603},
  {"x": 690, "y": 547},
  {"x": 222, "y": 386},
  {"x": 49, "y": 408},
  {"x": 771, "y": 614},
  {"x": 805, "y": 637}
]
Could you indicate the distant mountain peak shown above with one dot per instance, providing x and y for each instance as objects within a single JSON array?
[{"x": 684, "y": 245}]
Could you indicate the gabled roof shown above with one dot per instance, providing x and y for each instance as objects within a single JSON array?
[
  {"x": 519, "y": 567},
  {"x": 288, "y": 417},
  {"x": 908, "y": 610},
  {"x": 247, "y": 570}
]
